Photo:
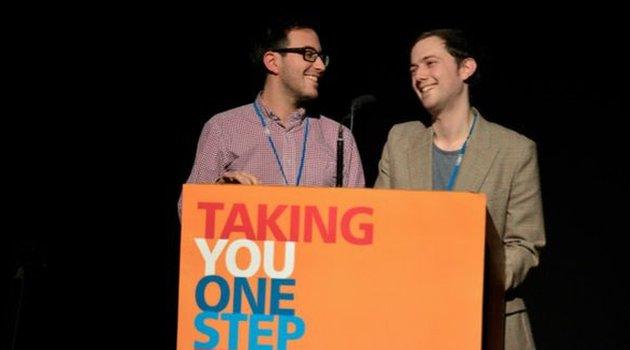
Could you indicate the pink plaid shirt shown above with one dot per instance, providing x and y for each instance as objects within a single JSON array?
[{"x": 234, "y": 140}]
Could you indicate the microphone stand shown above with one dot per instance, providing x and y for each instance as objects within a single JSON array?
[
  {"x": 340, "y": 146},
  {"x": 340, "y": 156}
]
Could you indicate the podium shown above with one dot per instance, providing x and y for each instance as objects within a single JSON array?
[{"x": 276, "y": 267}]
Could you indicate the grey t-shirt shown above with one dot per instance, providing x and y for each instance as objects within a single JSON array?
[{"x": 443, "y": 163}]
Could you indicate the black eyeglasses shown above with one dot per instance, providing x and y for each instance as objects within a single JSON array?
[{"x": 308, "y": 53}]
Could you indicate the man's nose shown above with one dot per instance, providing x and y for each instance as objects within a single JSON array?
[{"x": 319, "y": 63}]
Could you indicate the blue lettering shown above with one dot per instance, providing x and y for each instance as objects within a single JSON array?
[
  {"x": 213, "y": 335},
  {"x": 283, "y": 330},
  {"x": 234, "y": 319},
  {"x": 200, "y": 294},
  {"x": 276, "y": 296},
  {"x": 241, "y": 286},
  {"x": 255, "y": 332}
]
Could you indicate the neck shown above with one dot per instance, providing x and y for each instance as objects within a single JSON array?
[
  {"x": 280, "y": 103},
  {"x": 452, "y": 127}
]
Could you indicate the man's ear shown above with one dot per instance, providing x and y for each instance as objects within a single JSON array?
[
  {"x": 467, "y": 67},
  {"x": 270, "y": 60}
]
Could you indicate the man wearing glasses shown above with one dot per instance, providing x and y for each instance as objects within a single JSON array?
[{"x": 275, "y": 139}]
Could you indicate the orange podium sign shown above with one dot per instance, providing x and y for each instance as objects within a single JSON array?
[{"x": 274, "y": 267}]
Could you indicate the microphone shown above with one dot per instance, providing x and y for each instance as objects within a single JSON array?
[
  {"x": 358, "y": 103},
  {"x": 339, "y": 182}
]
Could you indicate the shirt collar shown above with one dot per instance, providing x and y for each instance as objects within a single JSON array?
[{"x": 294, "y": 120}]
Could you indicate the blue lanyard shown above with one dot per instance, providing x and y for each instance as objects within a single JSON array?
[
  {"x": 275, "y": 152},
  {"x": 460, "y": 156}
]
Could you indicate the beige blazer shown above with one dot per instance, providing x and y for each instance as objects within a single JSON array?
[{"x": 498, "y": 162}]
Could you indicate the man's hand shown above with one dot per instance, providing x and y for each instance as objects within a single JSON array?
[{"x": 238, "y": 177}]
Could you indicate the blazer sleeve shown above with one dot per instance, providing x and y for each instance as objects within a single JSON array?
[
  {"x": 524, "y": 234},
  {"x": 383, "y": 179}
]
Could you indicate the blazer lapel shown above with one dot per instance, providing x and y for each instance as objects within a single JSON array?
[
  {"x": 480, "y": 154},
  {"x": 419, "y": 160}
]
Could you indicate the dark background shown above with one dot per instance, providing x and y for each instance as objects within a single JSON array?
[{"x": 109, "y": 103}]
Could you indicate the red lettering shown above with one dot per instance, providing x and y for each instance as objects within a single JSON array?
[
  {"x": 239, "y": 210},
  {"x": 367, "y": 228},
  {"x": 210, "y": 217},
  {"x": 311, "y": 213},
  {"x": 267, "y": 218},
  {"x": 295, "y": 223},
  {"x": 265, "y": 221}
]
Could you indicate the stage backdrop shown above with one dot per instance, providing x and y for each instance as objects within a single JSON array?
[{"x": 274, "y": 267}]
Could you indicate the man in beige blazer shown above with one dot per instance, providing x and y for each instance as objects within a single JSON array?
[{"x": 461, "y": 151}]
